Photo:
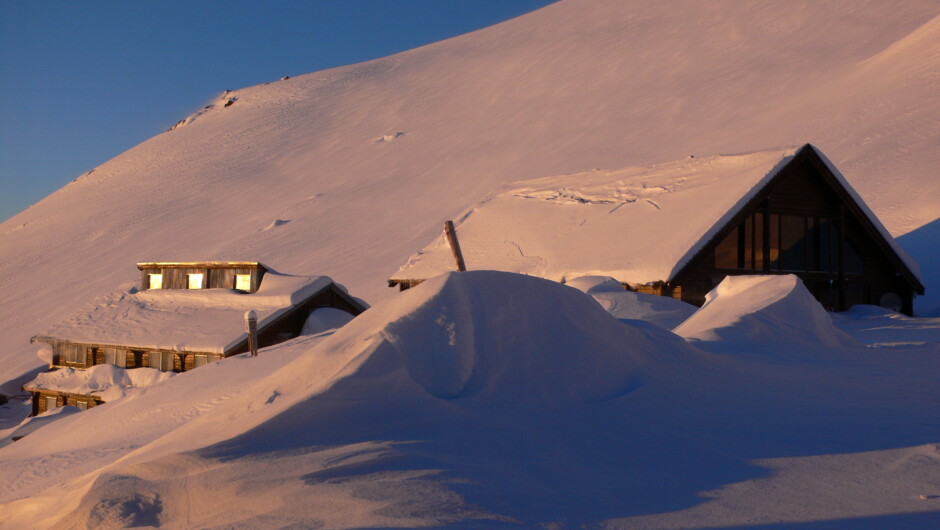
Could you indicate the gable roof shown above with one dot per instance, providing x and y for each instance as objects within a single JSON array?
[
  {"x": 203, "y": 320},
  {"x": 637, "y": 224}
]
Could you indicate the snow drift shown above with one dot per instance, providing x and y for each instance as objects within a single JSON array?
[
  {"x": 769, "y": 313},
  {"x": 483, "y": 345},
  {"x": 480, "y": 398},
  {"x": 498, "y": 334},
  {"x": 663, "y": 311},
  {"x": 105, "y": 381}
]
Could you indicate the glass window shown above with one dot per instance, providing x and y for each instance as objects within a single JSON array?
[
  {"x": 853, "y": 260},
  {"x": 200, "y": 360},
  {"x": 726, "y": 253},
  {"x": 827, "y": 250},
  {"x": 73, "y": 353},
  {"x": 243, "y": 282},
  {"x": 196, "y": 280},
  {"x": 155, "y": 281},
  {"x": 793, "y": 249},
  {"x": 759, "y": 241},
  {"x": 82, "y": 405},
  {"x": 774, "y": 242},
  {"x": 161, "y": 360},
  {"x": 114, "y": 356}
]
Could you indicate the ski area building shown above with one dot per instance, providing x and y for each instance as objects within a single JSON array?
[
  {"x": 184, "y": 315},
  {"x": 677, "y": 229}
]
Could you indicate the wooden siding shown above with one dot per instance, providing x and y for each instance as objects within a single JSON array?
[
  {"x": 218, "y": 275},
  {"x": 62, "y": 399}
]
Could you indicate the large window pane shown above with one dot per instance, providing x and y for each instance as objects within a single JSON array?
[
  {"x": 749, "y": 243},
  {"x": 758, "y": 241},
  {"x": 155, "y": 281},
  {"x": 793, "y": 249},
  {"x": 853, "y": 260},
  {"x": 828, "y": 253},
  {"x": 726, "y": 253},
  {"x": 774, "y": 242}
]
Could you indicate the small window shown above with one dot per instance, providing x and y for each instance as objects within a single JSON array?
[
  {"x": 82, "y": 405},
  {"x": 74, "y": 353},
  {"x": 200, "y": 360},
  {"x": 155, "y": 281},
  {"x": 51, "y": 403},
  {"x": 243, "y": 282},
  {"x": 114, "y": 356},
  {"x": 196, "y": 280},
  {"x": 161, "y": 360}
]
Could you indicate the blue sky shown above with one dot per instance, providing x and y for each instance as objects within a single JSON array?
[{"x": 81, "y": 82}]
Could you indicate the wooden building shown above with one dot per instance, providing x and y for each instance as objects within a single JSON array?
[
  {"x": 45, "y": 399},
  {"x": 240, "y": 275},
  {"x": 183, "y": 316},
  {"x": 785, "y": 211}
]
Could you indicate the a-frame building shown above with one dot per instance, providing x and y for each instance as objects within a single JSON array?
[{"x": 678, "y": 229}]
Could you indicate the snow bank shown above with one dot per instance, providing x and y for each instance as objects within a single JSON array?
[
  {"x": 324, "y": 319},
  {"x": 516, "y": 338},
  {"x": 663, "y": 311},
  {"x": 105, "y": 381},
  {"x": 766, "y": 312},
  {"x": 34, "y": 423}
]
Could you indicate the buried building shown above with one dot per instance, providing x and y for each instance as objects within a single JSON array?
[
  {"x": 185, "y": 315},
  {"x": 677, "y": 229}
]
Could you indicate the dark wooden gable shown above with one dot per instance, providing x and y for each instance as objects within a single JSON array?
[{"x": 804, "y": 222}]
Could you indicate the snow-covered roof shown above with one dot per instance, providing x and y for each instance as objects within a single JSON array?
[
  {"x": 637, "y": 224},
  {"x": 204, "y": 320}
]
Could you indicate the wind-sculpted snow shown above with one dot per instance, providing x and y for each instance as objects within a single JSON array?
[
  {"x": 485, "y": 399},
  {"x": 660, "y": 310},
  {"x": 765, "y": 313},
  {"x": 500, "y": 336}
]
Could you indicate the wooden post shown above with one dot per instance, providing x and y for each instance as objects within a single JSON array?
[
  {"x": 451, "y": 233},
  {"x": 251, "y": 326}
]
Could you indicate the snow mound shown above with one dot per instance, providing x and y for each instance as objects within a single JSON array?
[
  {"x": 511, "y": 337},
  {"x": 105, "y": 381},
  {"x": 324, "y": 319},
  {"x": 764, "y": 312},
  {"x": 622, "y": 304}
]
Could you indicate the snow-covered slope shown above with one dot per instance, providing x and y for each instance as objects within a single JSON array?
[
  {"x": 347, "y": 172},
  {"x": 489, "y": 399}
]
